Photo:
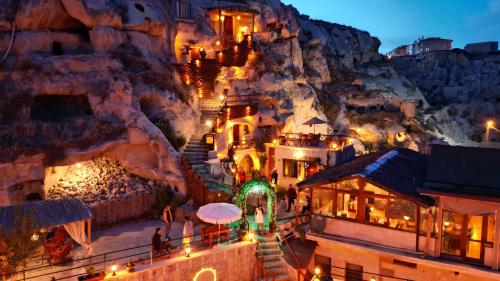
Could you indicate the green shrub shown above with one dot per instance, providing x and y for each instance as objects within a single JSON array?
[{"x": 177, "y": 141}]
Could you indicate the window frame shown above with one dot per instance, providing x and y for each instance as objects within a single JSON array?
[{"x": 361, "y": 203}]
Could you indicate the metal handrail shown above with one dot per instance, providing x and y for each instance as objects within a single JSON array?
[{"x": 105, "y": 260}]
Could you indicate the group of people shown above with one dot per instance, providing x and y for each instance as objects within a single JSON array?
[{"x": 161, "y": 246}]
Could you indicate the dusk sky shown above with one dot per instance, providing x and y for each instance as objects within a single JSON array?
[{"x": 397, "y": 22}]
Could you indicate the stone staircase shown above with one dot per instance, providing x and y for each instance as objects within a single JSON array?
[
  {"x": 195, "y": 153},
  {"x": 270, "y": 253}
]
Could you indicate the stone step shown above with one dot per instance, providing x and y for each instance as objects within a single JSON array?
[
  {"x": 277, "y": 270},
  {"x": 271, "y": 257},
  {"x": 269, "y": 245},
  {"x": 280, "y": 277},
  {"x": 198, "y": 156},
  {"x": 195, "y": 148},
  {"x": 273, "y": 263},
  {"x": 269, "y": 251},
  {"x": 267, "y": 238}
]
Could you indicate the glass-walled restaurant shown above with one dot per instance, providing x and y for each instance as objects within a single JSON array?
[
  {"x": 355, "y": 200},
  {"x": 362, "y": 202}
]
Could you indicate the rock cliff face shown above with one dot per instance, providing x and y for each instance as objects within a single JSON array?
[
  {"x": 84, "y": 79},
  {"x": 462, "y": 89}
]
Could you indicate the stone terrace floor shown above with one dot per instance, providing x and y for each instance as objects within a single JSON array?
[{"x": 109, "y": 240}]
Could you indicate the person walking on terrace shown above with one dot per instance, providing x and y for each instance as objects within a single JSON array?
[
  {"x": 167, "y": 219},
  {"x": 292, "y": 195},
  {"x": 259, "y": 219},
  {"x": 187, "y": 231}
]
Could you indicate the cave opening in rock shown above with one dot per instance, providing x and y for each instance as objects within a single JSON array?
[
  {"x": 139, "y": 7},
  {"x": 150, "y": 108},
  {"x": 35, "y": 196},
  {"x": 59, "y": 107},
  {"x": 57, "y": 48},
  {"x": 95, "y": 180}
]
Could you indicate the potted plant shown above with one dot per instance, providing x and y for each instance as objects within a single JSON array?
[
  {"x": 130, "y": 266},
  {"x": 92, "y": 275}
]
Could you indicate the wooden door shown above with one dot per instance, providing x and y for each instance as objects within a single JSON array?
[
  {"x": 270, "y": 167},
  {"x": 353, "y": 272},
  {"x": 236, "y": 134},
  {"x": 228, "y": 25}
]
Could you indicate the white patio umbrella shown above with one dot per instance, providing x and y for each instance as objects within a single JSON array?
[{"x": 219, "y": 213}]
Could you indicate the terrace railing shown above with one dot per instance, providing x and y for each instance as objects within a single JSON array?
[
  {"x": 103, "y": 261},
  {"x": 312, "y": 140}
]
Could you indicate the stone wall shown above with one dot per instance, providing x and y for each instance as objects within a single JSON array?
[
  {"x": 229, "y": 263},
  {"x": 386, "y": 262}
]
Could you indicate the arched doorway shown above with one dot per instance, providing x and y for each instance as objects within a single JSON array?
[
  {"x": 259, "y": 188},
  {"x": 246, "y": 164}
]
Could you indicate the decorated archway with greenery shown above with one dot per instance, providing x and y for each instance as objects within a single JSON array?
[{"x": 258, "y": 186}]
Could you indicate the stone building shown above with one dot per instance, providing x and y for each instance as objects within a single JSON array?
[{"x": 482, "y": 47}]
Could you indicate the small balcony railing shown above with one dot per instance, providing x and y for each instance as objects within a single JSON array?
[{"x": 313, "y": 140}]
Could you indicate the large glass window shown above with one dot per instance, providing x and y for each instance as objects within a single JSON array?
[
  {"x": 402, "y": 215},
  {"x": 356, "y": 199},
  {"x": 347, "y": 185},
  {"x": 324, "y": 202},
  {"x": 347, "y": 205},
  {"x": 289, "y": 168},
  {"x": 474, "y": 236},
  {"x": 375, "y": 210},
  {"x": 452, "y": 232},
  {"x": 425, "y": 219},
  {"x": 371, "y": 189}
]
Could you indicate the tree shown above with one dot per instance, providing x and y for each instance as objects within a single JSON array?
[{"x": 19, "y": 243}]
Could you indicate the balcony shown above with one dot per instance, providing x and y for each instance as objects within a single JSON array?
[{"x": 313, "y": 140}]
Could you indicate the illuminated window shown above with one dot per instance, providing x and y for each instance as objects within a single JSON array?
[
  {"x": 347, "y": 205},
  {"x": 323, "y": 200},
  {"x": 402, "y": 215},
  {"x": 424, "y": 220},
  {"x": 375, "y": 210},
  {"x": 290, "y": 168},
  {"x": 348, "y": 185}
]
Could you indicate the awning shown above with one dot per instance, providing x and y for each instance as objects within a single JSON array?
[{"x": 46, "y": 213}]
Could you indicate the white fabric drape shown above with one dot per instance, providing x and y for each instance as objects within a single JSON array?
[{"x": 77, "y": 231}]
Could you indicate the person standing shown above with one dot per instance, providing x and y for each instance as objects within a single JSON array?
[
  {"x": 259, "y": 219},
  {"x": 167, "y": 219},
  {"x": 274, "y": 177},
  {"x": 307, "y": 205},
  {"x": 292, "y": 195},
  {"x": 187, "y": 231}
]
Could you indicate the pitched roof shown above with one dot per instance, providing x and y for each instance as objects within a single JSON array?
[
  {"x": 400, "y": 171},
  {"x": 463, "y": 171},
  {"x": 46, "y": 213}
]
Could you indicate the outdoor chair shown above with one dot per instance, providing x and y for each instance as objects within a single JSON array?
[
  {"x": 60, "y": 253},
  {"x": 57, "y": 241}
]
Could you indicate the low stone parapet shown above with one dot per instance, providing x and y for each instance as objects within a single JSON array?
[{"x": 234, "y": 262}]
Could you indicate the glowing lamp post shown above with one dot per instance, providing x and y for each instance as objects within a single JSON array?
[
  {"x": 114, "y": 267},
  {"x": 317, "y": 272},
  {"x": 489, "y": 125},
  {"x": 187, "y": 252}
]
